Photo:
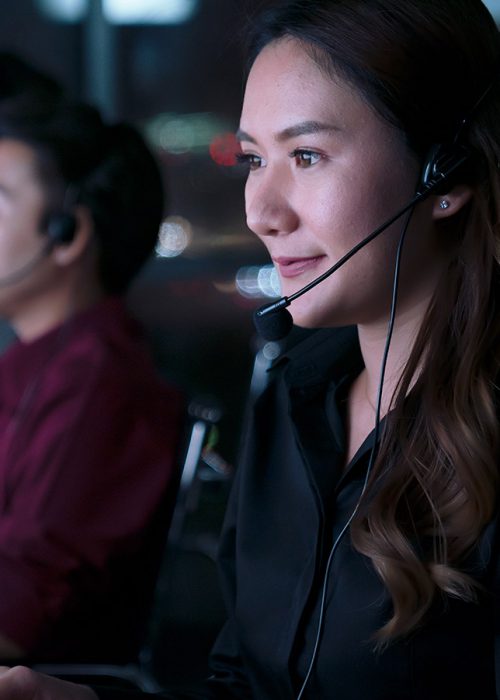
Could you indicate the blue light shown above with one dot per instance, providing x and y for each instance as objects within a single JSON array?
[
  {"x": 494, "y": 7},
  {"x": 149, "y": 11},
  {"x": 123, "y": 11},
  {"x": 64, "y": 10}
]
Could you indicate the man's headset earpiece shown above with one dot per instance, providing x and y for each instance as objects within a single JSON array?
[
  {"x": 60, "y": 225},
  {"x": 60, "y": 228}
]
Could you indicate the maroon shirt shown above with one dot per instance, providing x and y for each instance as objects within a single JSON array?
[{"x": 88, "y": 441}]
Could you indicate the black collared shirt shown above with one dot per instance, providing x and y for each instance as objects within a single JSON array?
[{"x": 291, "y": 499}]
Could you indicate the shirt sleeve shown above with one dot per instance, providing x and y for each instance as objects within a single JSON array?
[{"x": 88, "y": 464}]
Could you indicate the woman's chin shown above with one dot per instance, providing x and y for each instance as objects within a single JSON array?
[
  {"x": 311, "y": 320},
  {"x": 320, "y": 314}
]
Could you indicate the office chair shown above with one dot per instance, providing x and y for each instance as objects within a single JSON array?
[{"x": 200, "y": 464}]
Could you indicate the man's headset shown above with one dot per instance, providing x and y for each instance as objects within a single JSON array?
[
  {"x": 60, "y": 224},
  {"x": 59, "y": 227}
]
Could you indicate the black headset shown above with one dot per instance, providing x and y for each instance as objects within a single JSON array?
[
  {"x": 444, "y": 163},
  {"x": 443, "y": 167},
  {"x": 60, "y": 227}
]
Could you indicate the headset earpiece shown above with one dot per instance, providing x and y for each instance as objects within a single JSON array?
[
  {"x": 443, "y": 167},
  {"x": 60, "y": 228}
]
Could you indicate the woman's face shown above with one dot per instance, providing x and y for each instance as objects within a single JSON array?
[{"x": 325, "y": 171}]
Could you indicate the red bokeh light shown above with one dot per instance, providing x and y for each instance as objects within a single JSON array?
[{"x": 223, "y": 149}]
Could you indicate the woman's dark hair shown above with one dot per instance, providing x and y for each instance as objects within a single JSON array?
[
  {"x": 423, "y": 65},
  {"x": 107, "y": 168}
]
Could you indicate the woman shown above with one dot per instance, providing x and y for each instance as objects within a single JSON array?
[{"x": 356, "y": 567}]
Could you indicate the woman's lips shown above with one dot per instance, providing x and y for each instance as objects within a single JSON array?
[{"x": 292, "y": 267}]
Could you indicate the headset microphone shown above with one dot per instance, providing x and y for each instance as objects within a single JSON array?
[{"x": 273, "y": 321}]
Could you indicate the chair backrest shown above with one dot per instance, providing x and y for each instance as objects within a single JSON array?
[{"x": 127, "y": 661}]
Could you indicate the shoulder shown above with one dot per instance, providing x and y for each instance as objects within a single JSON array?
[
  {"x": 102, "y": 337},
  {"x": 103, "y": 353},
  {"x": 92, "y": 352}
]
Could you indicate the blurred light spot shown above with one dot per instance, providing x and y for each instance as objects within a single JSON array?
[
  {"x": 253, "y": 282},
  {"x": 124, "y": 11},
  {"x": 179, "y": 137},
  {"x": 225, "y": 287},
  {"x": 149, "y": 11},
  {"x": 64, "y": 10},
  {"x": 271, "y": 351},
  {"x": 183, "y": 133},
  {"x": 223, "y": 149},
  {"x": 174, "y": 237},
  {"x": 494, "y": 7}
]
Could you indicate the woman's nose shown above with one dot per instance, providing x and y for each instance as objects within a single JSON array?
[{"x": 268, "y": 209}]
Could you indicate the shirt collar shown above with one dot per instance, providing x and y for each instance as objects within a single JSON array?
[{"x": 319, "y": 356}]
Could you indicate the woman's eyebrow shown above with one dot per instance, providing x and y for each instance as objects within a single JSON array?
[{"x": 301, "y": 129}]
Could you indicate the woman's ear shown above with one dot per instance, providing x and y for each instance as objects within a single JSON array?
[
  {"x": 67, "y": 253},
  {"x": 446, "y": 205}
]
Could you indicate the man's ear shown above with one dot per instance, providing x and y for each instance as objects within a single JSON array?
[
  {"x": 65, "y": 254},
  {"x": 446, "y": 205}
]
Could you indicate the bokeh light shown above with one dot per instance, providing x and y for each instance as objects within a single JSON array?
[
  {"x": 255, "y": 282},
  {"x": 223, "y": 149},
  {"x": 174, "y": 237}
]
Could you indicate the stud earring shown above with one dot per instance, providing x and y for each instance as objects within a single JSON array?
[{"x": 444, "y": 204}]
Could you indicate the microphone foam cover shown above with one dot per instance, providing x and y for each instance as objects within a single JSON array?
[{"x": 274, "y": 325}]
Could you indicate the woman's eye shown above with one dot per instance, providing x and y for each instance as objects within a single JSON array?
[
  {"x": 252, "y": 161},
  {"x": 304, "y": 159}
]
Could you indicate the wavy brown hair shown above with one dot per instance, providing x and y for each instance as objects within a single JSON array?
[{"x": 423, "y": 65}]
